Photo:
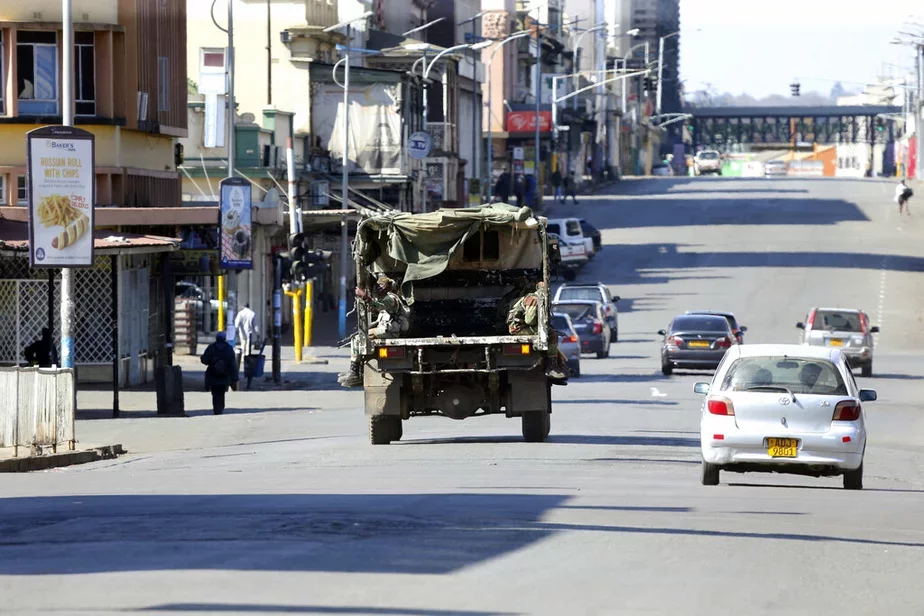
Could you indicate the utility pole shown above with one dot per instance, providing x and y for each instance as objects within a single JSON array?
[
  {"x": 538, "y": 101},
  {"x": 269, "y": 52},
  {"x": 67, "y": 117}
]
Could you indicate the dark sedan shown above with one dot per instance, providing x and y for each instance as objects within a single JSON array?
[
  {"x": 590, "y": 325},
  {"x": 695, "y": 341},
  {"x": 737, "y": 328}
]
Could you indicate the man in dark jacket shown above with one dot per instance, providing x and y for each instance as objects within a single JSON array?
[
  {"x": 502, "y": 188},
  {"x": 556, "y": 185},
  {"x": 42, "y": 353},
  {"x": 221, "y": 372}
]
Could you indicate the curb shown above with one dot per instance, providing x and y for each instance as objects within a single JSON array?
[{"x": 57, "y": 460}]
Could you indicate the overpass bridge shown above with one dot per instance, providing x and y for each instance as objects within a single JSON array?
[{"x": 782, "y": 126}]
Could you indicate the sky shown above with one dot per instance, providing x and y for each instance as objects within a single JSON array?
[{"x": 759, "y": 46}]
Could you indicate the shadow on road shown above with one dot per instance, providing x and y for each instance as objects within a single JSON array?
[
  {"x": 657, "y": 460},
  {"x": 604, "y": 439},
  {"x": 243, "y": 608},
  {"x": 621, "y": 402}
]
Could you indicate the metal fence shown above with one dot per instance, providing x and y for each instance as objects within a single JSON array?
[{"x": 37, "y": 408}]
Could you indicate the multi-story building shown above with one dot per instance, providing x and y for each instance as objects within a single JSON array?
[
  {"x": 656, "y": 19},
  {"x": 130, "y": 89}
]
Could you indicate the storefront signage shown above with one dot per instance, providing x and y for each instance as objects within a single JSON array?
[
  {"x": 62, "y": 190},
  {"x": 234, "y": 227},
  {"x": 525, "y": 121}
]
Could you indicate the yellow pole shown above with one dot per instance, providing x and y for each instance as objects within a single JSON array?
[
  {"x": 221, "y": 303},
  {"x": 309, "y": 313},
  {"x": 297, "y": 321}
]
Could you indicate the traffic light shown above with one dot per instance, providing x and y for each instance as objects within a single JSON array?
[
  {"x": 302, "y": 262},
  {"x": 646, "y": 84},
  {"x": 794, "y": 88}
]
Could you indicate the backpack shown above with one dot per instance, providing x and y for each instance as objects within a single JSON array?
[{"x": 907, "y": 192}]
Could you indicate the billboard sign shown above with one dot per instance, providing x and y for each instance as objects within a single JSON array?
[
  {"x": 235, "y": 229},
  {"x": 61, "y": 183}
]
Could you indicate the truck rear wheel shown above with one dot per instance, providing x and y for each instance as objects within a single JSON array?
[
  {"x": 536, "y": 426},
  {"x": 384, "y": 429}
]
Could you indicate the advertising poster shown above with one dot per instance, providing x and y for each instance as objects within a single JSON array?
[
  {"x": 235, "y": 230},
  {"x": 62, "y": 186}
]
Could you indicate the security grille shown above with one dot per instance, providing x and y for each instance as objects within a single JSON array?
[
  {"x": 9, "y": 313},
  {"x": 93, "y": 312},
  {"x": 23, "y": 314}
]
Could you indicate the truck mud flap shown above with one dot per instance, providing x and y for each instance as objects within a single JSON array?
[
  {"x": 382, "y": 392},
  {"x": 527, "y": 392}
]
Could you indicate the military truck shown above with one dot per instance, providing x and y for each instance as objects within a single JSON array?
[{"x": 460, "y": 271}]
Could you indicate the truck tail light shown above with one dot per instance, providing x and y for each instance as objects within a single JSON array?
[
  {"x": 517, "y": 349},
  {"x": 391, "y": 352}
]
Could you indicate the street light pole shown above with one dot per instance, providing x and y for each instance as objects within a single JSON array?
[
  {"x": 67, "y": 119},
  {"x": 661, "y": 69},
  {"x": 538, "y": 101},
  {"x": 344, "y": 174},
  {"x": 576, "y": 54},
  {"x": 490, "y": 154}
]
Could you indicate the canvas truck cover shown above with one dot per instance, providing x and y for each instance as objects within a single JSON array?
[{"x": 424, "y": 244}]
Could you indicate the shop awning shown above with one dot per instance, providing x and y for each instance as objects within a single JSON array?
[
  {"x": 14, "y": 241},
  {"x": 129, "y": 216}
]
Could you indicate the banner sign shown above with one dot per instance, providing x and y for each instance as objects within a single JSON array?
[
  {"x": 61, "y": 183},
  {"x": 235, "y": 228},
  {"x": 525, "y": 121}
]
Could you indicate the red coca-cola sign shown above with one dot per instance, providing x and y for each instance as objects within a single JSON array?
[{"x": 525, "y": 121}]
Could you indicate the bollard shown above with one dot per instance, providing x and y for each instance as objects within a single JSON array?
[
  {"x": 221, "y": 304},
  {"x": 309, "y": 312},
  {"x": 297, "y": 338}
]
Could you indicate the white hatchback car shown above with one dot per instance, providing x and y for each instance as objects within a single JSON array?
[{"x": 783, "y": 408}]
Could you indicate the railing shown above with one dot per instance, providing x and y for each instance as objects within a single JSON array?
[{"x": 37, "y": 409}]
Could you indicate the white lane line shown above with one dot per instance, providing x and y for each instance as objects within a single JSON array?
[
  {"x": 882, "y": 290},
  {"x": 657, "y": 394}
]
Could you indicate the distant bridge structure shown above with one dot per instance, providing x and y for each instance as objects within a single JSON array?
[{"x": 779, "y": 126}]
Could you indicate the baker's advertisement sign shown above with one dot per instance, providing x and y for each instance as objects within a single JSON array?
[{"x": 62, "y": 190}]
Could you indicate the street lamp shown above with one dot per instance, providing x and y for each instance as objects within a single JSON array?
[
  {"x": 494, "y": 51},
  {"x": 625, "y": 65},
  {"x": 344, "y": 205},
  {"x": 423, "y": 27},
  {"x": 575, "y": 51},
  {"x": 661, "y": 68}
]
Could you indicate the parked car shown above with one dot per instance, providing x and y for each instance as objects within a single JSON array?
[
  {"x": 593, "y": 233},
  {"x": 589, "y": 323},
  {"x": 571, "y": 231},
  {"x": 707, "y": 161},
  {"x": 598, "y": 292},
  {"x": 571, "y": 256},
  {"x": 569, "y": 343},
  {"x": 784, "y": 408},
  {"x": 736, "y": 328},
  {"x": 662, "y": 169},
  {"x": 775, "y": 168},
  {"x": 695, "y": 341},
  {"x": 843, "y": 328}
]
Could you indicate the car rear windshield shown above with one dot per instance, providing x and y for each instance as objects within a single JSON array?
[
  {"x": 709, "y": 155},
  {"x": 797, "y": 375},
  {"x": 580, "y": 293},
  {"x": 833, "y": 320},
  {"x": 560, "y": 323},
  {"x": 575, "y": 311},
  {"x": 573, "y": 227},
  {"x": 699, "y": 324}
]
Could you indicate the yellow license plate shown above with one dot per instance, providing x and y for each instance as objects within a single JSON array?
[
  {"x": 836, "y": 342},
  {"x": 699, "y": 344},
  {"x": 782, "y": 447}
]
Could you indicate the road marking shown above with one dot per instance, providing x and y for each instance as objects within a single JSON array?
[
  {"x": 883, "y": 273},
  {"x": 657, "y": 394}
]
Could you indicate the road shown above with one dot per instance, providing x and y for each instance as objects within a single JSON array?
[{"x": 290, "y": 510}]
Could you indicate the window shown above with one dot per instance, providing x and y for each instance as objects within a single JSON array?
[
  {"x": 22, "y": 190},
  {"x": 782, "y": 374},
  {"x": 2, "y": 190},
  {"x": 37, "y": 72},
  {"x": 163, "y": 84},
  {"x": 2, "y": 102},
  {"x": 84, "y": 74},
  {"x": 485, "y": 246}
]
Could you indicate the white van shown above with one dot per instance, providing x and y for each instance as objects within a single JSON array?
[{"x": 569, "y": 230}]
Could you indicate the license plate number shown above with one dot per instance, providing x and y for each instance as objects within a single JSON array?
[
  {"x": 782, "y": 447},
  {"x": 836, "y": 342},
  {"x": 699, "y": 344}
]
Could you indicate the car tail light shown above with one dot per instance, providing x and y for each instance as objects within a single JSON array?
[
  {"x": 598, "y": 327},
  {"x": 863, "y": 324},
  {"x": 569, "y": 339},
  {"x": 391, "y": 352},
  {"x": 724, "y": 343},
  {"x": 517, "y": 349},
  {"x": 848, "y": 410},
  {"x": 674, "y": 341},
  {"x": 720, "y": 406},
  {"x": 810, "y": 320}
]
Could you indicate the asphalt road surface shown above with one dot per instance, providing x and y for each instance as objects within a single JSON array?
[{"x": 291, "y": 511}]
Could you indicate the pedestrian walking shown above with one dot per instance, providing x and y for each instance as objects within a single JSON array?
[
  {"x": 570, "y": 188},
  {"x": 557, "y": 186},
  {"x": 221, "y": 372},
  {"x": 42, "y": 352},
  {"x": 502, "y": 188},
  {"x": 244, "y": 325},
  {"x": 519, "y": 190},
  {"x": 903, "y": 193}
]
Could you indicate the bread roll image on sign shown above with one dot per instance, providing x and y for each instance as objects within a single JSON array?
[{"x": 72, "y": 232}]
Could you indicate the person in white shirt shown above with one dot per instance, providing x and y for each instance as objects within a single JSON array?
[
  {"x": 244, "y": 326},
  {"x": 902, "y": 194}
]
